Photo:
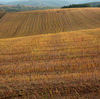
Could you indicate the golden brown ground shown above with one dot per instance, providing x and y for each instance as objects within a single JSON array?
[{"x": 52, "y": 66}]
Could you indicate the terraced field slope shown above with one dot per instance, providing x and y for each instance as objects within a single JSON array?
[
  {"x": 48, "y": 21},
  {"x": 51, "y": 66}
]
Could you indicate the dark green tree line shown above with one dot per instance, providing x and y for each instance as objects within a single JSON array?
[{"x": 77, "y": 6}]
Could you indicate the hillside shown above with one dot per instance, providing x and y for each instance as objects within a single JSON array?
[
  {"x": 48, "y": 21},
  {"x": 50, "y": 54},
  {"x": 51, "y": 66}
]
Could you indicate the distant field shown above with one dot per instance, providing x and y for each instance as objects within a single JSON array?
[
  {"x": 18, "y": 8},
  {"x": 51, "y": 66},
  {"x": 48, "y": 21}
]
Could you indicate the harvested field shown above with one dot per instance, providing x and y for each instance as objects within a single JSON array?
[{"x": 52, "y": 66}]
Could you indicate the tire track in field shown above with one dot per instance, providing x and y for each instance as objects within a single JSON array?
[{"x": 49, "y": 21}]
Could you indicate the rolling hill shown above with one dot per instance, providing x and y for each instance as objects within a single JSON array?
[
  {"x": 48, "y": 21},
  {"x": 50, "y": 54}
]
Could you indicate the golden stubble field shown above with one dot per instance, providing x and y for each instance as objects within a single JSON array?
[
  {"x": 64, "y": 65},
  {"x": 50, "y": 65}
]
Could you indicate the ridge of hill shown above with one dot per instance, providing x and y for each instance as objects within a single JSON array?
[
  {"x": 48, "y": 21},
  {"x": 62, "y": 65}
]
